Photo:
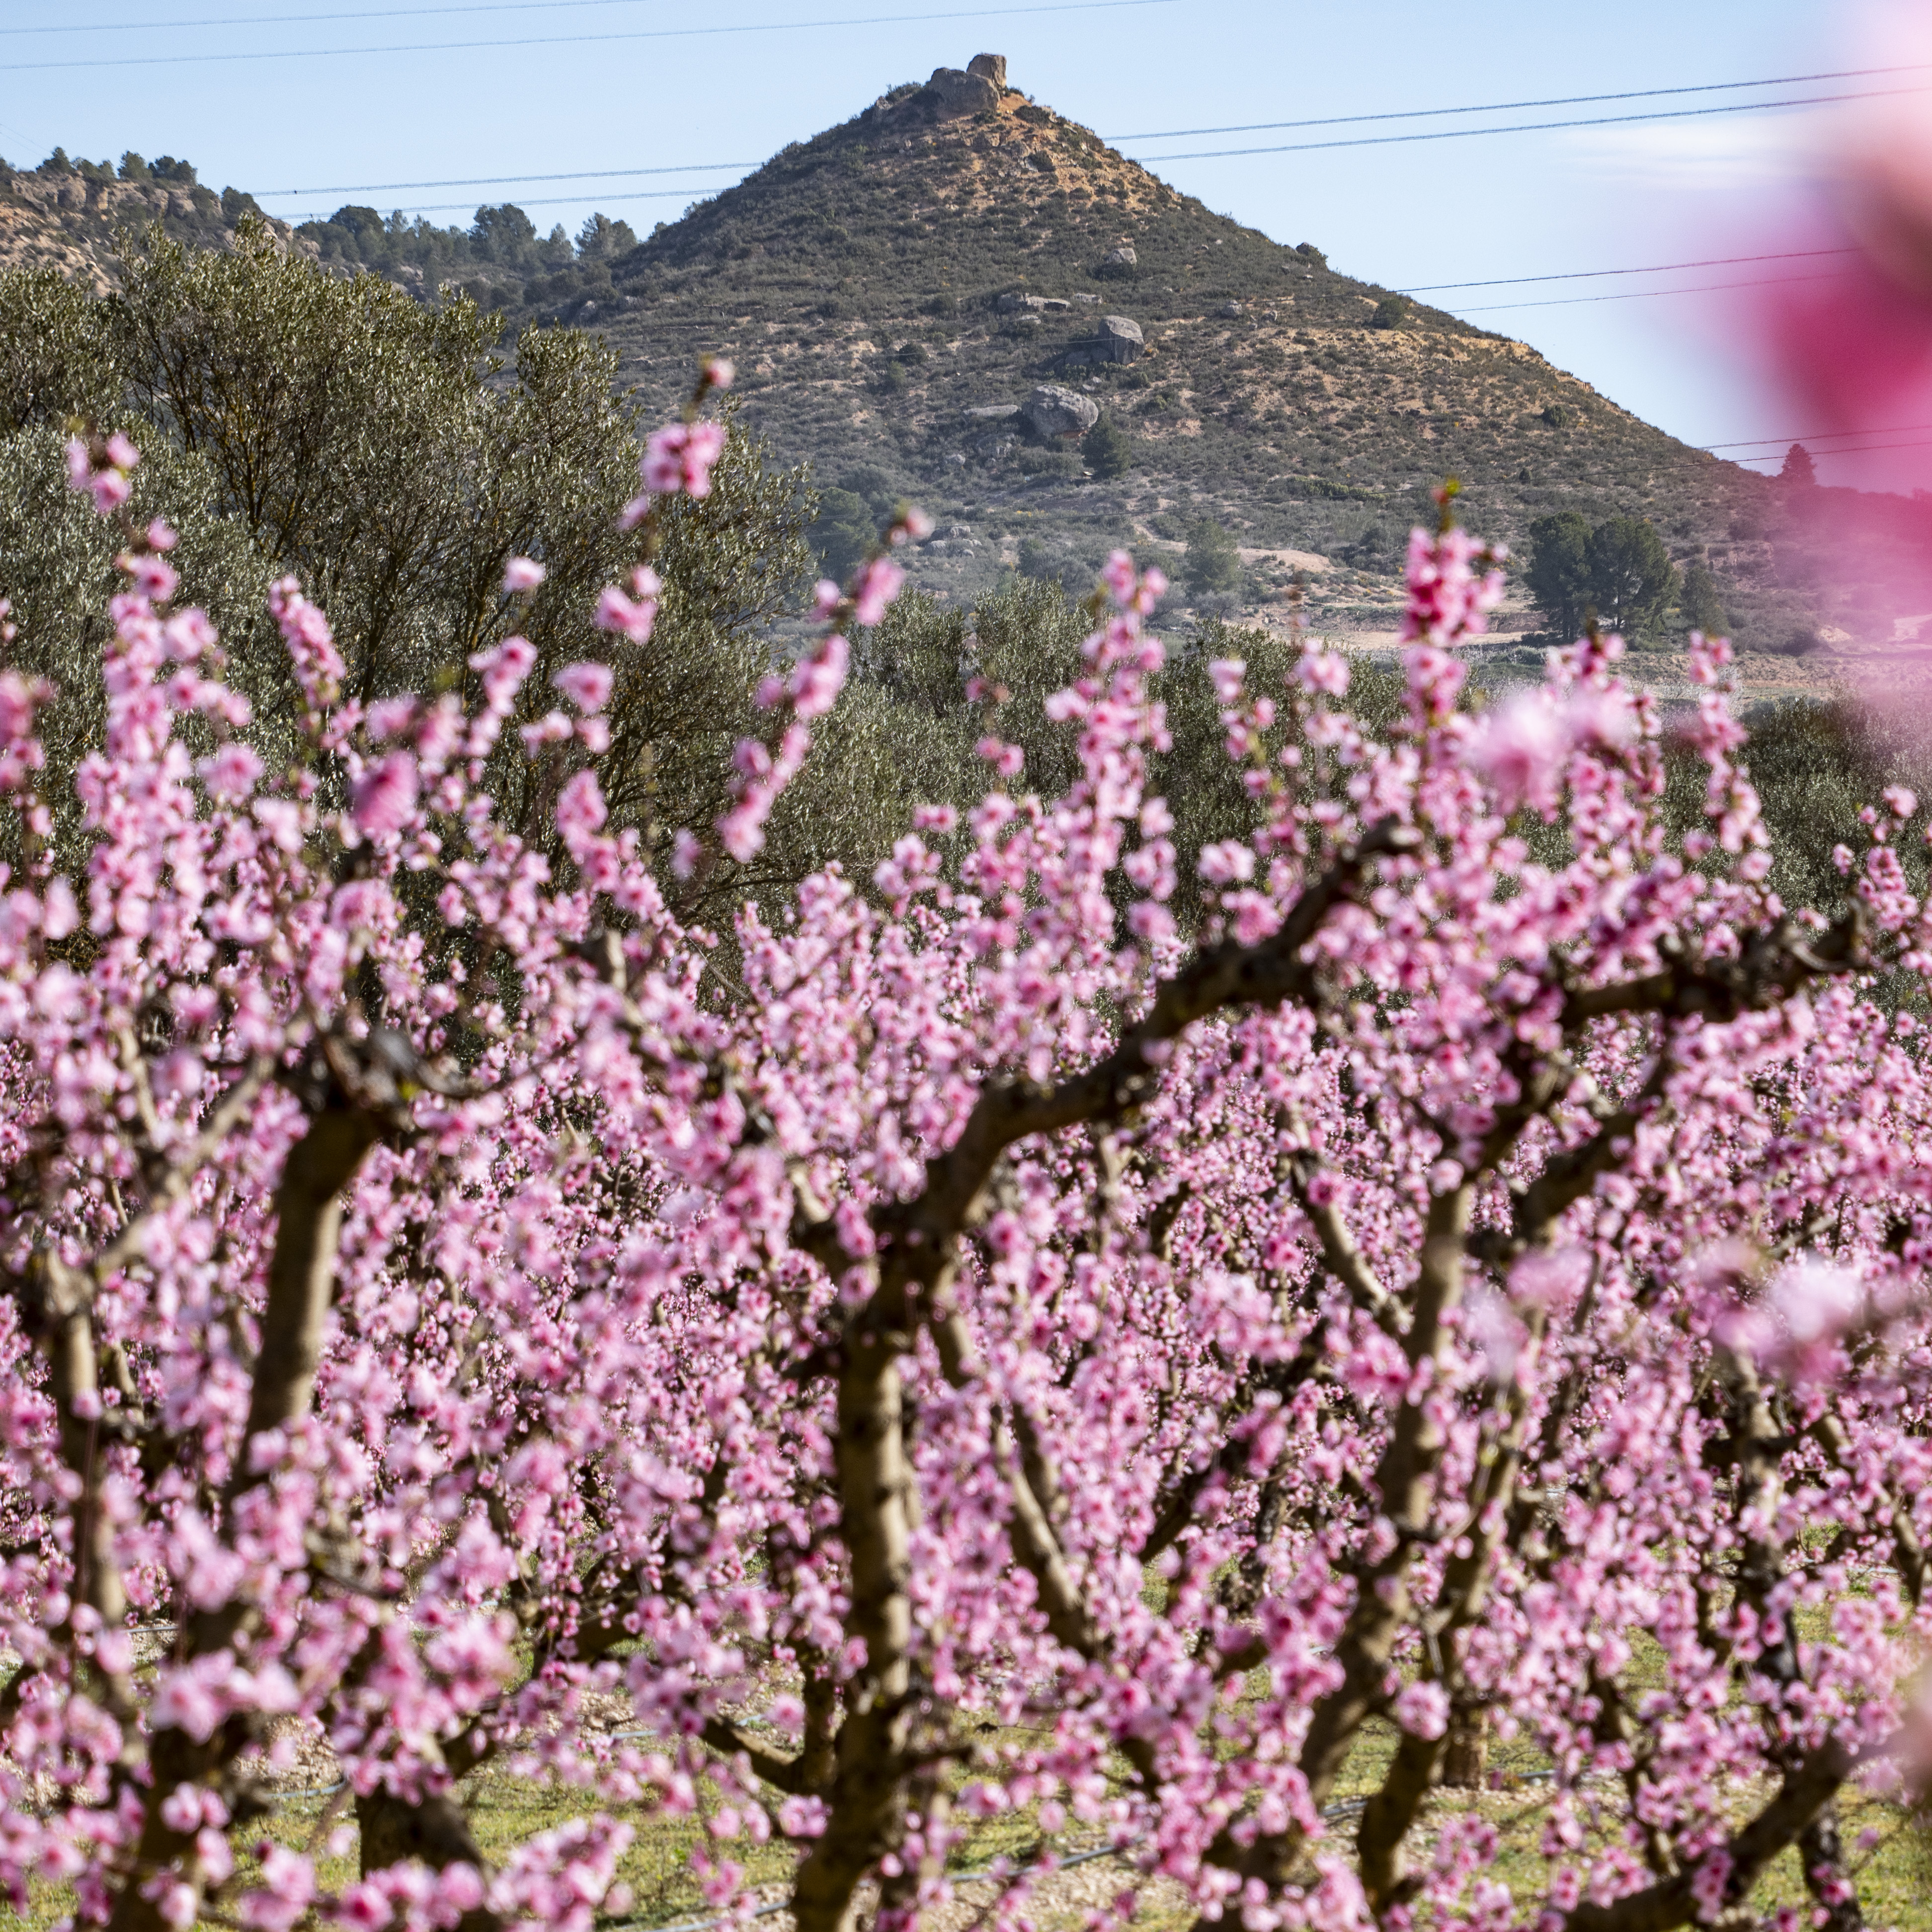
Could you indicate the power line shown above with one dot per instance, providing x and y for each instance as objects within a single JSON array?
[
  {"x": 580, "y": 40},
  {"x": 1860, "y": 449},
  {"x": 1528, "y": 126},
  {"x": 1590, "y": 274},
  {"x": 504, "y": 180},
  {"x": 1819, "y": 436},
  {"x": 307, "y": 19},
  {"x": 699, "y": 192},
  {"x": 1513, "y": 106},
  {"x": 1641, "y": 294}
]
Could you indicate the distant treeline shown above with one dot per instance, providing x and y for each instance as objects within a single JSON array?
[
  {"x": 500, "y": 252},
  {"x": 499, "y": 258}
]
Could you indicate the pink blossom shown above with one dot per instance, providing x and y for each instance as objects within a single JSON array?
[
  {"x": 1520, "y": 750},
  {"x": 232, "y": 773},
  {"x": 680, "y": 457},
  {"x": 586, "y": 686},
  {"x": 877, "y": 584},
  {"x": 1323, "y": 670},
  {"x": 385, "y": 796},
  {"x": 633, "y": 618},
  {"x": 580, "y": 809},
  {"x": 1422, "y": 1709},
  {"x": 521, "y": 574},
  {"x": 1223, "y": 864}
]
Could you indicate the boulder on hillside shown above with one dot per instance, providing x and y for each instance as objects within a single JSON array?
[
  {"x": 952, "y": 95},
  {"x": 991, "y": 411},
  {"x": 1116, "y": 338},
  {"x": 1119, "y": 262},
  {"x": 1052, "y": 411},
  {"x": 989, "y": 66},
  {"x": 1013, "y": 303}
]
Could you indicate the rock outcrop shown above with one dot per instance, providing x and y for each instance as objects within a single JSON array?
[
  {"x": 952, "y": 95},
  {"x": 1052, "y": 411},
  {"x": 1116, "y": 338},
  {"x": 989, "y": 66}
]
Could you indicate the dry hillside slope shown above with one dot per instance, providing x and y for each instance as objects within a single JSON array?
[{"x": 889, "y": 285}]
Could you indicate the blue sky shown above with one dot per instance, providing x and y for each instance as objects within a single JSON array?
[{"x": 538, "y": 96}]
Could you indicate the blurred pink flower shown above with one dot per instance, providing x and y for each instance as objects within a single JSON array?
[
  {"x": 1422, "y": 1709},
  {"x": 680, "y": 457},
  {"x": 385, "y": 796},
  {"x": 522, "y": 573},
  {"x": 586, "y": 686},
  {"x": 1519, "y": 748},
  {"x": 877, "y": 584}
]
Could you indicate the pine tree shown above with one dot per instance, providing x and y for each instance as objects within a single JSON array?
[{"x": 1107, "y": 450}]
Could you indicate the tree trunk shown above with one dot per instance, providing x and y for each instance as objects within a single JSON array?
[{"x": 1465, "y": 1755}]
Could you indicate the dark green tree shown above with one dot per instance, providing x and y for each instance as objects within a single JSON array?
[
  {"x": 1798, "y": 467},
  {"x": 601, "y": 239},
  {"x": 843, "y": 531},
  {"x": 505, "y": 234},
  {"x": 1630, "y": 576},
  {"x": 1393, "y": 312},
  {"x": 1702, "y": 604},
  {"x": 1107, "y": 450},
  {"x": 1557, "y": 572},
  {"x": 1212, "y": 564}
]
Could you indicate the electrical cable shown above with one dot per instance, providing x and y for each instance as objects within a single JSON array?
[
  {"x": 1817, "y": 435},
  {"x": 1513, "y": 106},
  {"x": 1580, "y": 275},
  {"x": 309, "y": 19},
  {"x": 1856, "y": 449},
  {"x": 503, "y": 180},
  {"x": 581, "y": 39},
  {"x": 1529, "y": 126},
  {"x": 698, "y": 191},
  {"x": 1640, "y": 295}
]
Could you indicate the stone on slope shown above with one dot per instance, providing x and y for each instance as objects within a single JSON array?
[{"x": 1053, "y": 411}]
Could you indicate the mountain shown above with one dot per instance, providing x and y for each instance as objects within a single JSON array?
[
  {"x": 956, "y": 246},
  {"x": 898, "y": 291}
]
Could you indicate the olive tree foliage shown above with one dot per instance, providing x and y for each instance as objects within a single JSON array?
[
  {"x": 382, "y": 451},
  {"x": 295, "y": 421},
  {"x": 55, "y": 362},
  {"x": 1816, "y": 766}
]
